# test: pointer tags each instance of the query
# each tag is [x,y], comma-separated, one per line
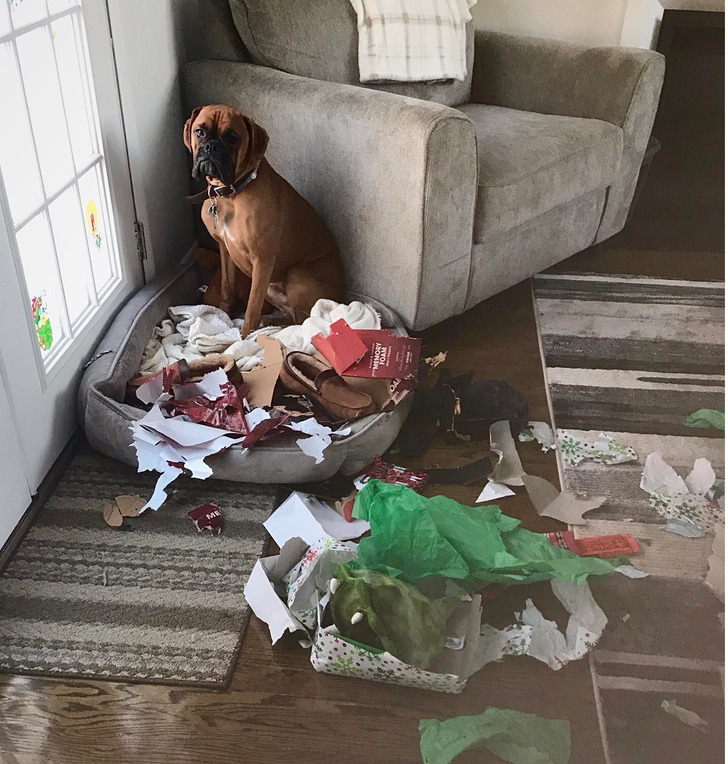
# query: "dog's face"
[225,144]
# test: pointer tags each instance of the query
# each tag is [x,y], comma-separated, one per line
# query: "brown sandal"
[305,374]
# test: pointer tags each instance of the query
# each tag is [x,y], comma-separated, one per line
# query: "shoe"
[303,373]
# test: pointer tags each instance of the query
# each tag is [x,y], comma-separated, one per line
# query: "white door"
[68,256]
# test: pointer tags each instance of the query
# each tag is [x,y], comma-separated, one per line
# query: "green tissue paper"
[413,537]
[706,418]
[512,735]
[396,616]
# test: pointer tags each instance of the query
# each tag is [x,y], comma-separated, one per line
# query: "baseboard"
[45,489]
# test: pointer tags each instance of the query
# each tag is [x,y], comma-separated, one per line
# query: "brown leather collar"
[227,192]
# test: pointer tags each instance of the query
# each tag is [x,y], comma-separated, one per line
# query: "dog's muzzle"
[213,159]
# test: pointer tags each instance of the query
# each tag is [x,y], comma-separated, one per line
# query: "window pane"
[74,87]
[26,11]
[17,162]
[67,223]
[36,256]
[55,6]
[4,18]
[97,232]
[46,108]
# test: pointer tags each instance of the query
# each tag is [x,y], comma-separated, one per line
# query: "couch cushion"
[319,39]
[529,163]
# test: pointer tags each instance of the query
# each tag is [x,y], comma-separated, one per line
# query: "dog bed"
[105,418]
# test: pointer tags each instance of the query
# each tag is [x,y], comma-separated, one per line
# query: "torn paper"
[493,491]
[716,564]
[261,381]
[123,506]
[630,571]
[670,495]
[702,477]
[207,517]
[310,519]
[541,432]
[319,437]
[684,715]
[603,449]
[564,506]
[509,469]
[683,528]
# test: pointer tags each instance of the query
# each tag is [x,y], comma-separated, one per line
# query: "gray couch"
[438,194]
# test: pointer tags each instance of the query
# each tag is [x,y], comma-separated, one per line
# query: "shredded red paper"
[207,517]
[390,473]
[226,412]
[264,428]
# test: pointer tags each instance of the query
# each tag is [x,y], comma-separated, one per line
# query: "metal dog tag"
[212,209]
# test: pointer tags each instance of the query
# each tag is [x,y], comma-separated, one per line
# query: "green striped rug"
[155,602]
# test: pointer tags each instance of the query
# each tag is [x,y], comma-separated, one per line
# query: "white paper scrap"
[268,606]
[160,495]
[630,571]
[320,437]
[540,432]
[310,519]
[493,491]
[702,477]
[659,477]
[509,469]
[684,715]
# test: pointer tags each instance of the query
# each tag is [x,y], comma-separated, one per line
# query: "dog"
[273,245]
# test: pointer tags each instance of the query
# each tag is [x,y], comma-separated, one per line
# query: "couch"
[439,195]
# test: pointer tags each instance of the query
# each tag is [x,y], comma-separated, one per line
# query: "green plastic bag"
[396,617]
[706,418]
[414,537]
[512,735]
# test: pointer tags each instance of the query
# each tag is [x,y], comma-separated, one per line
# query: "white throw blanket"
[194,331]
[412,40]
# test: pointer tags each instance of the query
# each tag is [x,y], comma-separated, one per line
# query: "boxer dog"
[273,245]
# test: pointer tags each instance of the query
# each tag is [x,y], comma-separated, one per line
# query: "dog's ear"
[187,133]
[257,144]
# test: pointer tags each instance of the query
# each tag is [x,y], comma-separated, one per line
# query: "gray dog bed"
[105,418]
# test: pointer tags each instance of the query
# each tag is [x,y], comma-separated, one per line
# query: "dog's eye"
[199,132]
[231,137]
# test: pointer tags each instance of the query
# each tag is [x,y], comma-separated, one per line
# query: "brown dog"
[273,245]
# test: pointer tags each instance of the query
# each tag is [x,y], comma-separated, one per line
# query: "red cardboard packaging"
[342,347]
[388,356]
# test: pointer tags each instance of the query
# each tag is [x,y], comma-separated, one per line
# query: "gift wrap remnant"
[603,449]
[514,736]
[706,418]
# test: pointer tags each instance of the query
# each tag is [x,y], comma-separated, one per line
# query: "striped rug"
[156,601]
[633,356]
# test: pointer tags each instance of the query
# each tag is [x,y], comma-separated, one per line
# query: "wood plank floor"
[277,709]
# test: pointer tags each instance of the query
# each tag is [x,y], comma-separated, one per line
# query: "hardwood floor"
[277,709]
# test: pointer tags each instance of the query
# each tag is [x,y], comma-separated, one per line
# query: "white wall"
[593,22]
[150,48]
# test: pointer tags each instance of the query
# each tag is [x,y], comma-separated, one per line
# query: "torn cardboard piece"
[564,506]
[123,506]
[509,469]
[388,356]
[261,380]
[342,347]
[603,449]
[310,519]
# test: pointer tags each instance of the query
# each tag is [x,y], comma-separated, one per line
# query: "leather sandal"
[303,373]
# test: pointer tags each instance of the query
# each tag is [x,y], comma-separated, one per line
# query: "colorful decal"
[92,221]
[42,322]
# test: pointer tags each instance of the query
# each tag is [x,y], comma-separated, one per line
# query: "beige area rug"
[633,356]
[156,601]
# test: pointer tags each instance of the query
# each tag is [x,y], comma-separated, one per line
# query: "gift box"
[276,580]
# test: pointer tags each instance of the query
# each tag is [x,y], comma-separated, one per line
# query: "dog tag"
[212,209]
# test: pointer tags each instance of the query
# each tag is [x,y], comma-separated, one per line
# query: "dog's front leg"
[262,271]
[228,275]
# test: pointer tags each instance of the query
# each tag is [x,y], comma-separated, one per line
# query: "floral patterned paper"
[604,449]
[695,509]
[331,654]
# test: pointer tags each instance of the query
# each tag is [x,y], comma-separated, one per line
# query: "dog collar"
[226,192]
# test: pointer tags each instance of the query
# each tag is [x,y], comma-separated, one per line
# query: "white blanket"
[412,40]
[194,331]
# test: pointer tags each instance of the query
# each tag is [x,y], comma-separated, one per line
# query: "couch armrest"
[617,85]
[394,178]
